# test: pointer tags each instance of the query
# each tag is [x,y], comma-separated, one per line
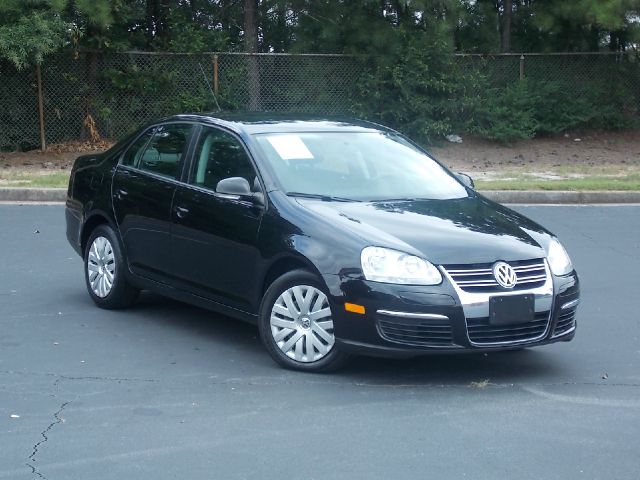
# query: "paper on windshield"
[289,147]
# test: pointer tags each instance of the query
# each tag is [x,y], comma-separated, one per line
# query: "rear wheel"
[104,270]
[296,324]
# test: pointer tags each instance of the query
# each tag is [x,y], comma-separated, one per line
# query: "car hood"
[457,231]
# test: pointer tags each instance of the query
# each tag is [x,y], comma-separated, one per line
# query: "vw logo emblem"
[505,275]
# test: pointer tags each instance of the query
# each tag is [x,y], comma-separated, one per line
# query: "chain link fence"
[121,91]
[581,76]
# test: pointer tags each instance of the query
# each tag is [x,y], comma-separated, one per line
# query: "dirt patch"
[57,157]
[557,157]
[563,156]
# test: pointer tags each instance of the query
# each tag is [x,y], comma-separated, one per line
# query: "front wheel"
[104,270]
[296,324]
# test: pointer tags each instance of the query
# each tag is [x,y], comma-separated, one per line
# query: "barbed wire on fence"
[121,91]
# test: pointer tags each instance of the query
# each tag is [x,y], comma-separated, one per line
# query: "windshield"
[354,165]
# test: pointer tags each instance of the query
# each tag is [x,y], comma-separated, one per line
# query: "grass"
[628,182]
[37,179]
[60,179]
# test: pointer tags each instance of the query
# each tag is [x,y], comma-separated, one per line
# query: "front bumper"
[406,320]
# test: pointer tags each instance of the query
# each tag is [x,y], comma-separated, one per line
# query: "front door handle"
[181,212]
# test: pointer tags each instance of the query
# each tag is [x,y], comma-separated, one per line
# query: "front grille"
[566,321]
[480,331]
[477,278]
[418,332]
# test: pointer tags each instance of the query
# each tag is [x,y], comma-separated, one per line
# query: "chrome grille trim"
[474,279]
[475,304]
[417,329]
[477,329]
[425,316]
[571,304]
[566,320]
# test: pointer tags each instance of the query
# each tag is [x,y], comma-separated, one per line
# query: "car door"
[143,187]
[214,235]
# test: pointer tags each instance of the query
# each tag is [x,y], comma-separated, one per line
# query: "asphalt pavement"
[169,391]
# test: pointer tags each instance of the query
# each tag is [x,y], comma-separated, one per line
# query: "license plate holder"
[511,309]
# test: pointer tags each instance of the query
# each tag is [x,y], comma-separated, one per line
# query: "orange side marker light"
[354,308]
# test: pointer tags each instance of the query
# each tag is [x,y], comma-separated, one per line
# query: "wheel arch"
[284,264]
[92,221]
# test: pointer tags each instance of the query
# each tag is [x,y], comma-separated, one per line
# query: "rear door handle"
[181,212]
[121,193]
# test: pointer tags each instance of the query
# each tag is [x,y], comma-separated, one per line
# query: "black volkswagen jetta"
[335,237]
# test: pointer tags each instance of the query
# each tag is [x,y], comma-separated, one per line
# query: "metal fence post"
[215,74]
[522,67]
[43,144]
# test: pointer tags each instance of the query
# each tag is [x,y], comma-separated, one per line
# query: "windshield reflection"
[371,166]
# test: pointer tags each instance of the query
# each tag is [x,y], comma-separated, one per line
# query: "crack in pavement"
[253,382]
[69,377]
[32,458]
[104,379]
[610,247]
[257,382]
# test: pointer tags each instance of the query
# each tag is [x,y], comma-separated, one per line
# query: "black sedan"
[335,237]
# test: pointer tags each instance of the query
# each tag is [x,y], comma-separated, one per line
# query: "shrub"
[504,114]
[530,108]
[414,89]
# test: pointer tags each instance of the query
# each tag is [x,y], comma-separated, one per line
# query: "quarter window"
[220,155]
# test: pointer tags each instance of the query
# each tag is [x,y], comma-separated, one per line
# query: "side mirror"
[235,188]
[466,180]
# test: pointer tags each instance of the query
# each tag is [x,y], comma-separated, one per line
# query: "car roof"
[252,123]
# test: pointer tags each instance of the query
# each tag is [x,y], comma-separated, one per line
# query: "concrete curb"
[562,197]
[502,196]
[33,194]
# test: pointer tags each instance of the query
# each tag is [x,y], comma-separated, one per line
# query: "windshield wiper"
[401,199]
[324,198]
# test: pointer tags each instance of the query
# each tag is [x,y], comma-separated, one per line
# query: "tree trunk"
[506,26]
[150,20]
[91,73]
[162,22]
[251,46]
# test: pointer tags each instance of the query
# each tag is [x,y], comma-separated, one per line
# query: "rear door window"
[132,156]
[164,153]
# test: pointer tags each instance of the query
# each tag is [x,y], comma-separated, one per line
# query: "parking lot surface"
[165,390]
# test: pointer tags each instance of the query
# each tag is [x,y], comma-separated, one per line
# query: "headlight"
[390,266]
[558,258]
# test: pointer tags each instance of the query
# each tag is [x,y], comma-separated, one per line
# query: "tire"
[303,339]
[104,270]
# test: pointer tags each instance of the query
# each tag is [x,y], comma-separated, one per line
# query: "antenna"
[215,99]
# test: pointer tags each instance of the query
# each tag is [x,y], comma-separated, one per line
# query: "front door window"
[220,155]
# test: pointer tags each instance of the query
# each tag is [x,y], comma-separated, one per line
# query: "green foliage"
[31,37]
[584,24]
[144,94]
[19,128]
[97,12]
[32,29]
[409,81]
[505,114]
[529,108]
[415,92]
[477,28]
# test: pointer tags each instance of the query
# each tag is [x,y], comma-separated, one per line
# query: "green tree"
[29,30]
[574,25]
